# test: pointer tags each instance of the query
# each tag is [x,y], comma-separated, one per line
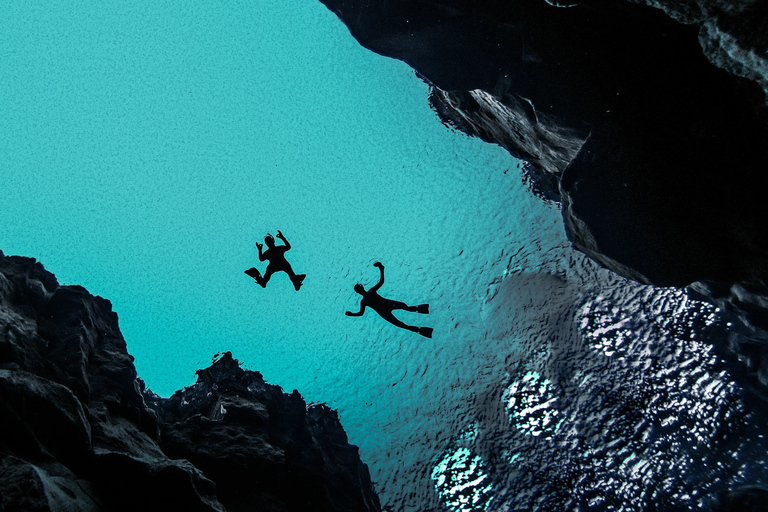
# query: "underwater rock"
[749,499]
[645,119]
[77,434]
[657,153]
[733,35]
[634,410]
[281,443]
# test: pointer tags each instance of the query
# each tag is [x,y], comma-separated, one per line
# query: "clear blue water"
[148,146]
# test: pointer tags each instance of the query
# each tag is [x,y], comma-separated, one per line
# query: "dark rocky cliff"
[657,154]
[646,119]
[78,434]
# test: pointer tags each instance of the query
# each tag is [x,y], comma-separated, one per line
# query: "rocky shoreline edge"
[79,431]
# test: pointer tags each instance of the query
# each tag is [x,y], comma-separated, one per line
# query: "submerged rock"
[77,434]
[658,153]
[646,119]
[282,445]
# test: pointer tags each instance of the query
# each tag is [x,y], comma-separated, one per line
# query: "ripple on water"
[631,411]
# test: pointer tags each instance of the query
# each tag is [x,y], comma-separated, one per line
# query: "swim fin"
[426,331]
[423,309]
[299,281]
[255,274]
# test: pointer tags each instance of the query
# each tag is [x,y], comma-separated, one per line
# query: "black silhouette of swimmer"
[275,254]
[384,307]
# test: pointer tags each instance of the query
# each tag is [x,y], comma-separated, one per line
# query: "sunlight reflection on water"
[149,147]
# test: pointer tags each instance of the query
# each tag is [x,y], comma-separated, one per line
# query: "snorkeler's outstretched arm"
[261,255]
[381,279]
[281,237]
[359,313]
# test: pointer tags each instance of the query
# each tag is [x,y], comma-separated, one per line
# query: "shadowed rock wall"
[262,446]
[657,154]
[76,433]
[646,119]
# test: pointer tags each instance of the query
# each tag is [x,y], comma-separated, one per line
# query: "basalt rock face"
[733,34]
[76,433]
[647,119]
[282,445]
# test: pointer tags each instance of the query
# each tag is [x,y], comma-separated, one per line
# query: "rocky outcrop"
[746,499]
[646,119]
[282,446]
[733,35]
[657,154]
[76,432]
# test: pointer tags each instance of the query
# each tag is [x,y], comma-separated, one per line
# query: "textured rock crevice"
[646,119]
[77,433]
[733,35]
[282,444]
[656,152]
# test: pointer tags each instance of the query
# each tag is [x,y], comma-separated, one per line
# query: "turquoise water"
[149,145]
[146,146]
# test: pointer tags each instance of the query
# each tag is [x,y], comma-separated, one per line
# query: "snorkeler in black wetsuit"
[384,307]
[275,254]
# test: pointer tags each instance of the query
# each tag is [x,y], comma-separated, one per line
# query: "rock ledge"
[80,433]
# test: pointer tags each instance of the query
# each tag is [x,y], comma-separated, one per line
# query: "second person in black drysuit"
[275,254]
[384,307]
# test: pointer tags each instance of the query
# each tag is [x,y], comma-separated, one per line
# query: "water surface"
[148,145]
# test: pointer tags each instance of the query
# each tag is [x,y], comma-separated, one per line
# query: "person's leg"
[296,279]
[393,304]
[421,308]
[389,317]
[267,274]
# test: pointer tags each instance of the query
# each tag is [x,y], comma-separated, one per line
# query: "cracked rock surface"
[647,121]
[78,434]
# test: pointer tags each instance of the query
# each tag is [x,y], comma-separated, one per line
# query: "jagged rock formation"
[657,154]
[647,119]
[733,34]
[281,444]
[76,433]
